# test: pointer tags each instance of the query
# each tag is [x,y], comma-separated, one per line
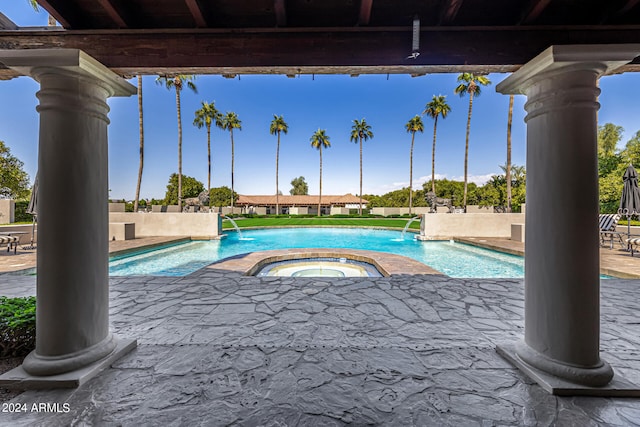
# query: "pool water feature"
[319,267]
[452,259]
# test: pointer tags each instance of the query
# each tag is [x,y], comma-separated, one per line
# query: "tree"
[230,122]
[454,190]
[206,116]
[299,187]
[178,82]
[278,125]
[469,83]
[508,166]
[14,181]
[318,140]
[191,187]
[141,129]
[608,137]
[219,196]
[437,107]
[631,152]
[360,131]
[414,125]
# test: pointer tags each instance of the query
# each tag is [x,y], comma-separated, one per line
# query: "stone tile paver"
[220,348]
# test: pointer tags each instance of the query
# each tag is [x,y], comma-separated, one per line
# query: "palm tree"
[230,122]
[437,107]
[508,168]
[360,131]
[318,140]
[140,121]
[469,83]
[205,116]
[278,125]
[414,125]
[178,82]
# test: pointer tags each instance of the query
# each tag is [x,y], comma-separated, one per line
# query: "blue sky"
[307,103]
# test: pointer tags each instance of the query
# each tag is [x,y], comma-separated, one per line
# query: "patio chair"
[608,224]
[10,241]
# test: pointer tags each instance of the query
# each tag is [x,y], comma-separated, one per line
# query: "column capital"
[28,61]
[603,58]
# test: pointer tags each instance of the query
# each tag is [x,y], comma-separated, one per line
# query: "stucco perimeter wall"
[24,228]
[7,211]
[196,225]
[400,211]
[469,225]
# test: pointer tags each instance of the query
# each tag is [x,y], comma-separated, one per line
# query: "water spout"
[234,226]
[404,231]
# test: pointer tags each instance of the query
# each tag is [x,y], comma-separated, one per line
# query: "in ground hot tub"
[319,267]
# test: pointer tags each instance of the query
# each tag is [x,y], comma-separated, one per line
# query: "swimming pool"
[452,259]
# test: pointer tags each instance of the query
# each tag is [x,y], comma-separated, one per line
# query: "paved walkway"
[219,348]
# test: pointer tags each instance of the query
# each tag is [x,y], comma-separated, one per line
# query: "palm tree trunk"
[433,157]
[277,190]
[413,135]
[320,196]
[466,152]
[508,171]
[232,160]
[179,150]
[209,161]
[360,208]
[136,201]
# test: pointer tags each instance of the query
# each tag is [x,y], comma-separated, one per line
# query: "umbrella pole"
[628,232]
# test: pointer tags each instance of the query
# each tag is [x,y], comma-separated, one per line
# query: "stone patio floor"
[219,348]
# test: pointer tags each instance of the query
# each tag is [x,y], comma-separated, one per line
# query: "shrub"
[21,214]
[17,326]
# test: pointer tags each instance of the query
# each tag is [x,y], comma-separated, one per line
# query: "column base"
[617,387]
[19,379]
[38,365]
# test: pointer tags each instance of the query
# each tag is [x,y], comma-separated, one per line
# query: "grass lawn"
[324,221]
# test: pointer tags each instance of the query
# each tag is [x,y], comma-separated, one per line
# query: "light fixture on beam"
[415,45]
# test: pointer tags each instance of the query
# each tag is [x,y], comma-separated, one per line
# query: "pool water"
[452,259]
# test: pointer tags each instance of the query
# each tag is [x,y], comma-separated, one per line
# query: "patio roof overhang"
[311,37]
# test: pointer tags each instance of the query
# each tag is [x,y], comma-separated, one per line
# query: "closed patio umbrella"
[32,210]
[630,200]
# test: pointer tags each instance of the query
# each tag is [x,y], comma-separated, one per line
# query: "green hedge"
[20,214]
[17,326]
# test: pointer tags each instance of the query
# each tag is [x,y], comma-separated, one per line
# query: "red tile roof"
[307,200]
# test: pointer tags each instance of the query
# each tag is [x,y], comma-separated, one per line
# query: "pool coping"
[388,264]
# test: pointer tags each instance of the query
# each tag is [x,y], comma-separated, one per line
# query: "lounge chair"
[633,243]
[608,224]
[10,241]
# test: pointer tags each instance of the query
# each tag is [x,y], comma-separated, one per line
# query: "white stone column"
[72,267]
[562,285]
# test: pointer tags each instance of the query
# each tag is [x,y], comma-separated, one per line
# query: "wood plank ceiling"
[323,36]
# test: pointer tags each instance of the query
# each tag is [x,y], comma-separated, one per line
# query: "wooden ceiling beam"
[361,50]
[533,11]
[280,10]
[196,12]
[364,17]
[113,13]
[630,4]
[449,11]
